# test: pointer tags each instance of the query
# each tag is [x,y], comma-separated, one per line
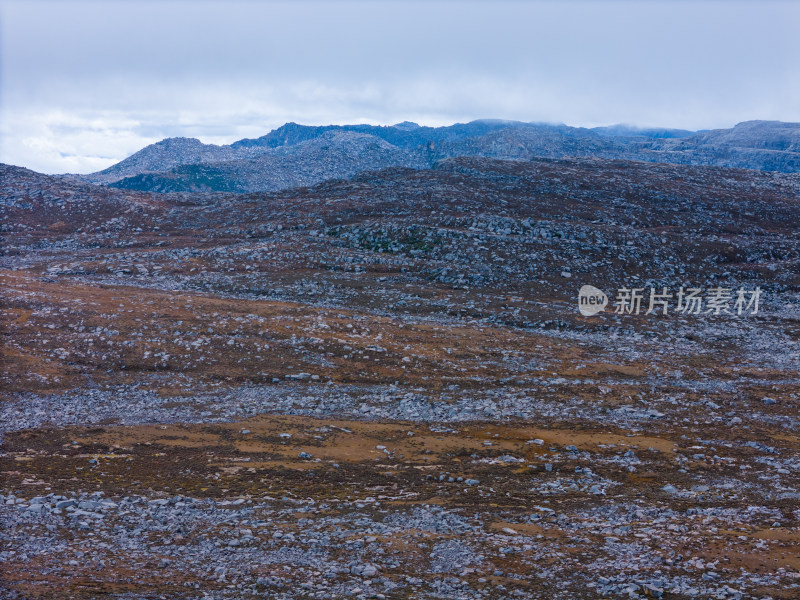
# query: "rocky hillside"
[403,135]
[165,155]
[533,141]
[764,145]
[382,386]
[295,154]
[332,155]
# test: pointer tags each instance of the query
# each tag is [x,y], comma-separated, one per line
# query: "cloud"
[84,84]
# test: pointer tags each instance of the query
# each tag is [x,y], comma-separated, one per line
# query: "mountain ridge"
[296,154]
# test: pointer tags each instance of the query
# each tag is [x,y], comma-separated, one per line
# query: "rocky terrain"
[297,155]
[767,145]
[334,154]
[382,387]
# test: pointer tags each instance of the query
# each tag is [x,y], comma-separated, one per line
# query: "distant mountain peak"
[295,154]
[406,125]
[179,141]
[625,130]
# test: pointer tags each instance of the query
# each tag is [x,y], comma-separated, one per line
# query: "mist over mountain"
[297,155]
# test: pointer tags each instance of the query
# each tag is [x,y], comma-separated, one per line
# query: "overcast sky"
[85,84]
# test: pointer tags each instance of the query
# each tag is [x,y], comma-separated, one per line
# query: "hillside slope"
[295,154]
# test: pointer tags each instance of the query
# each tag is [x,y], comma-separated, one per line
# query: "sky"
[85,84]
